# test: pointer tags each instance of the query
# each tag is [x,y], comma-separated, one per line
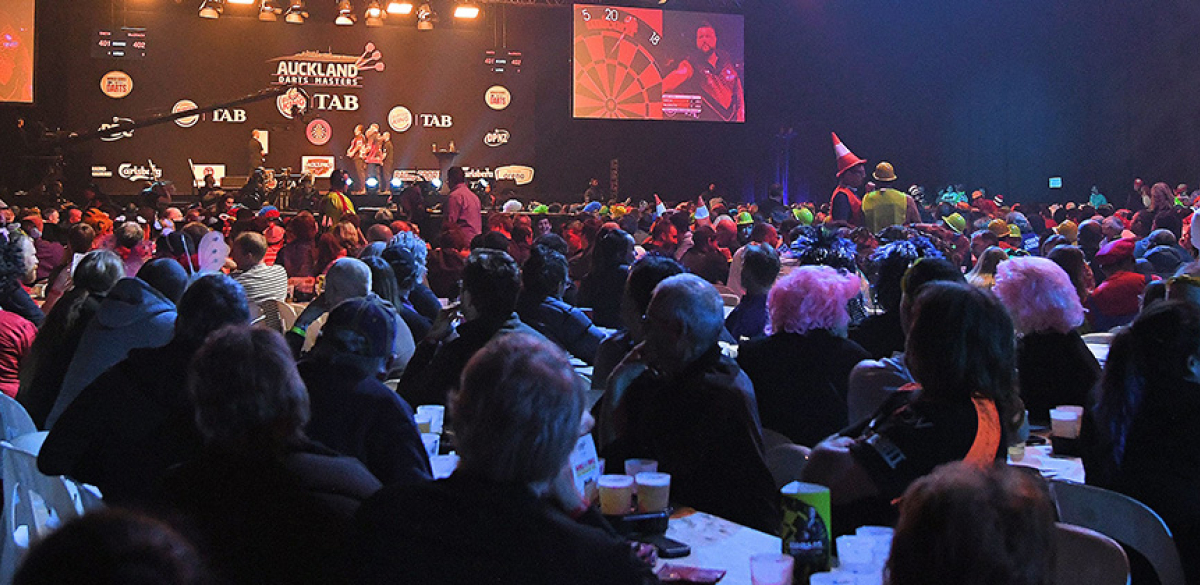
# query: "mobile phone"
[667,548]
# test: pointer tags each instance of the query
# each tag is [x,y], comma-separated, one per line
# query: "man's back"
[463,208]
[263,283]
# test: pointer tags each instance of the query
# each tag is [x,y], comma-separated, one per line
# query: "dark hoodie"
[134,315]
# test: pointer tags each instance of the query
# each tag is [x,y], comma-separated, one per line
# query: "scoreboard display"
[126,43]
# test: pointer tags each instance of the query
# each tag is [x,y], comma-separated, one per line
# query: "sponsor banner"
[400,119]
[183,106]
[414,175]
[293,99]
[498,97]
[200,170]
[116,121]
[319,69]
[521,174]
[321,167]
[497,137]
[101,172]
[230,116]
[335,103]
[134,172]
[116,84]
[437,120]
[319,132]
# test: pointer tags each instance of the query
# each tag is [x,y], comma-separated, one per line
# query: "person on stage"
[373,155]
[593,192]
[852,171]
[389,163]
[355,153]
[257,152]
[712,74]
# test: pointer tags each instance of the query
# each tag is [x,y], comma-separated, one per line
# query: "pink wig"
[1039,295]
[811,297]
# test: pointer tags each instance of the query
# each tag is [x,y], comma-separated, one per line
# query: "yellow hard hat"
[884,172]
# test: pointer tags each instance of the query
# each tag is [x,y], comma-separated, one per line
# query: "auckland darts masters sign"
[317,69]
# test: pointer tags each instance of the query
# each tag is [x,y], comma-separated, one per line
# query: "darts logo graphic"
[317,69]
[319,131]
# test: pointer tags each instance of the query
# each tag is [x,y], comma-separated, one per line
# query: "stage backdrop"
[425,88]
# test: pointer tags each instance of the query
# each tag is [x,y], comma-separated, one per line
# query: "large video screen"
[16,51]
[645,64]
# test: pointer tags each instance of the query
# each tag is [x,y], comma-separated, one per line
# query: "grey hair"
[416,246]
[517,411]
[695,304]
[347,278]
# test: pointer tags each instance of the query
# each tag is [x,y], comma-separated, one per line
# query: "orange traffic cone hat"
[845,159]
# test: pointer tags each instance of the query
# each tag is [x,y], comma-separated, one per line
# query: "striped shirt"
[263,283]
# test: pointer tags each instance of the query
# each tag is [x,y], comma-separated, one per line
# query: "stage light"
[345,15]
[268,11]
[466,11]
[212,8]
[372,182]
[400,8]
[241,1]
[296,13]
[437,183]
[375,14]
[426,17]
[397,183]
[483,183]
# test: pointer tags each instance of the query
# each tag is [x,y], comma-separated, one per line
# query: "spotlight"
[372,182]
[400,7]
[483,183]
[437,183]
[426,17]
[212,8]
[374,14]
[296,13]
[345,15]
[466,11]
[240,1]
[397,183]
[268,11]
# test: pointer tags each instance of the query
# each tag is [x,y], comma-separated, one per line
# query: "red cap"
[1114,252]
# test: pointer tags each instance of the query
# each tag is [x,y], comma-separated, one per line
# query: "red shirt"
[1119,294]
[16,337]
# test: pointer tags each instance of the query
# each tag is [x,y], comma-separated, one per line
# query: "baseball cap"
[363,326]
[1114,252]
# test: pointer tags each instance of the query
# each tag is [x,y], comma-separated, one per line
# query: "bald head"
[347,278]
[684,320]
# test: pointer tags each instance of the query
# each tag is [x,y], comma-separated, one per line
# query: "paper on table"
[585,467]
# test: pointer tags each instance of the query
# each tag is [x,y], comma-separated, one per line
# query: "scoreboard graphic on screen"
[644,64]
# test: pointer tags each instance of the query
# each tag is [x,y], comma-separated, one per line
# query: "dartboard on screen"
[643,64]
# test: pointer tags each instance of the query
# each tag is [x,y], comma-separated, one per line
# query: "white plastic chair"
[15,419]
[34,504]
[1086,557]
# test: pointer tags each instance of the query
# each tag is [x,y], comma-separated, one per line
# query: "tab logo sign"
[183,106]
[497,137]
[498,97]
[232,116]
[336,103]
[116,84]
[138,172]
[521,174]
[437,120]
[119,135]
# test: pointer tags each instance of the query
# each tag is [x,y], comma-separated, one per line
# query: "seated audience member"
[110,547]
[704,259]
[490,283]
[43,368]
[421,298]
[540,305]
[1073,262]
[379,232]
[383,287]
[602,287]
[970,525]
[353,412]
[446,263]
[690,408]
[961,353]
[138,312]
[1054,365]
[882,335]
[1143,414]
[407,272]
[348,278]
[760,268]
[330,248]
[1116,301]
[522,240]
[16,337]
[268,505]
[134,421]
[129,242]
[873,381]
[299,252]
[510,513]
[983,275]
[761,233]
[801,369]
[80,238]
[664,238]
[260,281]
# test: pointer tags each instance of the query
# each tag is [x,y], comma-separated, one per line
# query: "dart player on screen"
[710,73]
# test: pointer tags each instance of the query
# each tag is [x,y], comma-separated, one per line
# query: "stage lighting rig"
[345,15]
[426,17]
[296,13]
[212,9]
[269,11]
[375,14]
[396,7]
[466,11]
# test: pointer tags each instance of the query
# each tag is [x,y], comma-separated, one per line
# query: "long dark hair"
[1145,363]
[961,344]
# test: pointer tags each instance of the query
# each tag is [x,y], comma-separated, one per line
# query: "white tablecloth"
[1039,457]
[719,544]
